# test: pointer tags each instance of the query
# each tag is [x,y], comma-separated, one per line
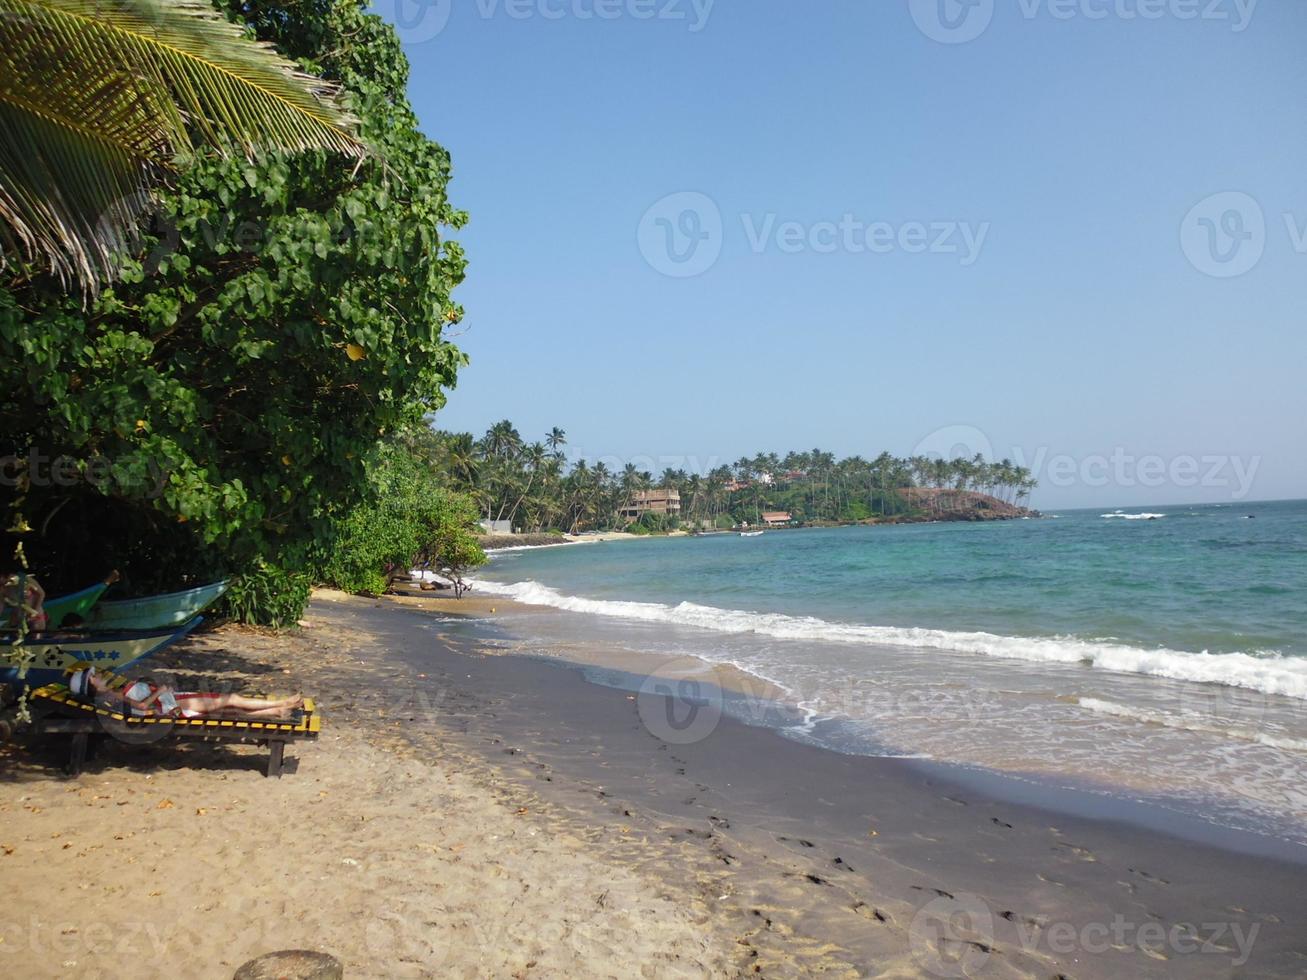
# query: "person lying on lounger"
[144,698]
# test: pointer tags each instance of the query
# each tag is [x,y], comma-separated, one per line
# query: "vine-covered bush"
[211,413]
[408,520]
[267,595]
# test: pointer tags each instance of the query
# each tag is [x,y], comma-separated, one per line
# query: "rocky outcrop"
[935,504]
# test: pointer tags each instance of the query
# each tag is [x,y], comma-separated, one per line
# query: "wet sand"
[506,817]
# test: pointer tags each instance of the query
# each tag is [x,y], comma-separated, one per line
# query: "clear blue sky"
[1073,140]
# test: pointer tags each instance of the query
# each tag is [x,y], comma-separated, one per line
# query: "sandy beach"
[472,814]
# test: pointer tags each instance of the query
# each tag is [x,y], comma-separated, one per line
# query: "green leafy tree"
[217,403]
[407,520]
[99,101]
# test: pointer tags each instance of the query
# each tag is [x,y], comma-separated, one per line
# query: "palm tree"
[502,439]
[555,439]
[460,459]
[534,456]
[98,101]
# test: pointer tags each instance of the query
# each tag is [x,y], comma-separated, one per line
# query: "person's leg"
[205,704]
[242,703]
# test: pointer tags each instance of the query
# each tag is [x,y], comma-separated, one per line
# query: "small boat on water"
[750,534]
[145,613]
[53,653]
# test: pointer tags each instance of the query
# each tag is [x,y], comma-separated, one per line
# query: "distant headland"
[531,487]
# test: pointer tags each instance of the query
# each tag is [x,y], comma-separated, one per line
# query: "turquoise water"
[1119,650]
[1200,578]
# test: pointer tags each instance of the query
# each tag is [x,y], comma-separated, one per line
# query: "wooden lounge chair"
[57,711]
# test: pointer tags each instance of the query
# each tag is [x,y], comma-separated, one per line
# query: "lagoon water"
[1158,653]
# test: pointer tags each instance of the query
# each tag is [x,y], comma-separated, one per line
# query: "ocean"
[1157,653]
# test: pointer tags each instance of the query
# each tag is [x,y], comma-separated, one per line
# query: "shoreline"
[759,702]
[453,788]
[945,824]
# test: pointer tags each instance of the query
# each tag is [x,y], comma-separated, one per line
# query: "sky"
[1072,233]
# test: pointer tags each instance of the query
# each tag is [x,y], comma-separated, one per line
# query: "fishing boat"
[73,604]
[750,534]
[152,612]
[52,654]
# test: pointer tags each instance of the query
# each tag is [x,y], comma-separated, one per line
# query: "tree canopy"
[532,485]
[97,100]
[214,408]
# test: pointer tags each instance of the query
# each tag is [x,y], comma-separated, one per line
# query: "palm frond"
[97,97]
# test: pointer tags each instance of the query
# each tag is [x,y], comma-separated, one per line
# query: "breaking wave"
[1267,672]
[1191,721]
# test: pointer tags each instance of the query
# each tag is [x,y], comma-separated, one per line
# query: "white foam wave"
[1192,722]
[490,553]
[1269,673]
[1135,517]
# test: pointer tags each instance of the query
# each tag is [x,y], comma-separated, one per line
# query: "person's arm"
[141,704]
[36,593]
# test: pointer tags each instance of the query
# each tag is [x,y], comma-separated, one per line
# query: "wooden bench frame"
[62,714]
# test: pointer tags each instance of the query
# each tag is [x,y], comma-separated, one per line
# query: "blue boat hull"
[113,651]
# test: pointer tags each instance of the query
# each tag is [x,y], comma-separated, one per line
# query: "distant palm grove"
[531,485]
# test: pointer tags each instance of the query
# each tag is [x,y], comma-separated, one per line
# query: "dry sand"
[187,861]
[467,815]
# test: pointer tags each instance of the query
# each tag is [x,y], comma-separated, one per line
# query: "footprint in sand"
[866,911]
[938,891]
[1147,877]
[1034,922]
[1084,854]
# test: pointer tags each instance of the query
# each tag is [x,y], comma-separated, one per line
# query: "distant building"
[776,518]
[497,527]
[732,486]
[652,502]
